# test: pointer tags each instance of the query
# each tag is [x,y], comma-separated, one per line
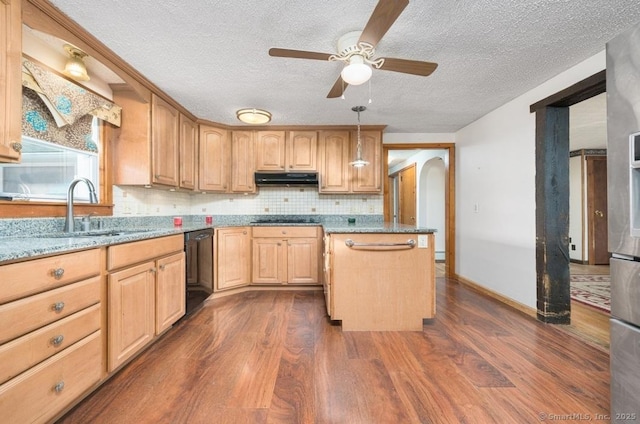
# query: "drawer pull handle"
[58,273]
[59,387]
[354,244]
[58,306]
[57,340]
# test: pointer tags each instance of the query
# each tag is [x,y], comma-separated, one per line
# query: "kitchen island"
[379,277]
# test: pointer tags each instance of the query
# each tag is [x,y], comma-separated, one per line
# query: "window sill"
[17,209]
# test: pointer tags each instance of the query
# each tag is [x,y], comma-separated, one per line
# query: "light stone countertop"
[30,245]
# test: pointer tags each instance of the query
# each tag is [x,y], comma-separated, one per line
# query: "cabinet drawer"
[38,275]
[38,310]
[139,251]
[20,354]
[42,392]
[285,232]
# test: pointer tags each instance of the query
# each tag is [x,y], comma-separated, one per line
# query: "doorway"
[552,194]
[392,192]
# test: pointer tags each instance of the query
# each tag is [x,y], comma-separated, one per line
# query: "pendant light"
[359,162]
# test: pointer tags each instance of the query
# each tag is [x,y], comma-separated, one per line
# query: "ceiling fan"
[357,49]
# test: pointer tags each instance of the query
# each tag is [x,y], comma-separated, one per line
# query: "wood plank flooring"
[589,323]
[273,357]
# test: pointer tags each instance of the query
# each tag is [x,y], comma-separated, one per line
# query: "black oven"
[198,247]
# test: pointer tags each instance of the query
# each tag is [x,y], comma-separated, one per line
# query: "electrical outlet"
[423,242]
[476,208]
[573,247]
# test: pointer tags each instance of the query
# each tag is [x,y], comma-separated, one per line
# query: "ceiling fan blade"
[383,16]
[414,67]
[298,54]
[337,89]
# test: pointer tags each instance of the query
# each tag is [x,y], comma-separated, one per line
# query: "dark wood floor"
[273,357]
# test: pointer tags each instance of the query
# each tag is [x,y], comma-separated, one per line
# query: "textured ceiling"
[211,56]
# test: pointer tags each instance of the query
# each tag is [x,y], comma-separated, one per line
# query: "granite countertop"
[28,245]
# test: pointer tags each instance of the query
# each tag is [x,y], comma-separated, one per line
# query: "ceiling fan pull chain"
[370,92]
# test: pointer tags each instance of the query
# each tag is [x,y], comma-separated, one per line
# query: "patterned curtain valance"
[67,101]
[38,123]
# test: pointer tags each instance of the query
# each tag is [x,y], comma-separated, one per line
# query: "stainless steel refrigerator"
[623,167]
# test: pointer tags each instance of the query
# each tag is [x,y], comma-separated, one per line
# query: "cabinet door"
[243,162]
[302,151]
[269,261]
[170,291]
[367,179]
[334,162]
[214,159]
[131,312]
[164,143]
[232,257]
[11,85]
[302,260]
[270,151]
[188,152]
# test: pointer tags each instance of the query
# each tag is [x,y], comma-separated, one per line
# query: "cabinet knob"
[279,244]
[154,270]
[57,273]
[162,267]
[244,232]
[59,387]
[58,306]
[284,232]
[57,340]
[16,146]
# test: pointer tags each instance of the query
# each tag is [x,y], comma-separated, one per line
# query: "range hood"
[286,179]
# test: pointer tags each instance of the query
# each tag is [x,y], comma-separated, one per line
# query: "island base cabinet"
[41,393]
[381,283]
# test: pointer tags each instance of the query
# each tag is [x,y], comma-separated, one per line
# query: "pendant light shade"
[359,162]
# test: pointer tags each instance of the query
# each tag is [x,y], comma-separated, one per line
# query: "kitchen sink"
[97,233]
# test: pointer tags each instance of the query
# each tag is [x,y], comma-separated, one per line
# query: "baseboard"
[497,296]
[578,261]
[229,292]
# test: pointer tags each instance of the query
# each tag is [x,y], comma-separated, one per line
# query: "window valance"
[67,102]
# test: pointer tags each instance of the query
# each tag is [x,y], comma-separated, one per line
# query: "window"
[47,169]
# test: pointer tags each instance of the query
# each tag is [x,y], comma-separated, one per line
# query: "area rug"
[593,290]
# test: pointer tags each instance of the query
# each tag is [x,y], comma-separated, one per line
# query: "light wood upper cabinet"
[302,151]
[334,162]
[243,162]
[214,159]
[10,80]
[231,260]
[188,153]
[165,142]
[367,179]
[270,151]
[146,146]
[286,151]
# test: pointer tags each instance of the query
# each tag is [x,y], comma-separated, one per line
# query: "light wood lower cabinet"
[145,298]
[231,260]
[51,339]
[285,255]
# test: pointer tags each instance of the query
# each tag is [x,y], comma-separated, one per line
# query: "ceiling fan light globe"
[356,73]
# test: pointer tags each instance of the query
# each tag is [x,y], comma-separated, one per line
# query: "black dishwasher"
[198,248]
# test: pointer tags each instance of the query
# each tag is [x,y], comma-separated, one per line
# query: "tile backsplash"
[138,201]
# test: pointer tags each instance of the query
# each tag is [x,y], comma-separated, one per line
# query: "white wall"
[495,242]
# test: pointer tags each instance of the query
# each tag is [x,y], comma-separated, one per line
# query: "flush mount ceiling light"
[359,162]
[253,116]
[75,67]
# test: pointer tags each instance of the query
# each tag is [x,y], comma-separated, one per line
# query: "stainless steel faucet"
[69,226]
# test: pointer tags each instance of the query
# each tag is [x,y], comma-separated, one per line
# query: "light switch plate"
[422,241]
